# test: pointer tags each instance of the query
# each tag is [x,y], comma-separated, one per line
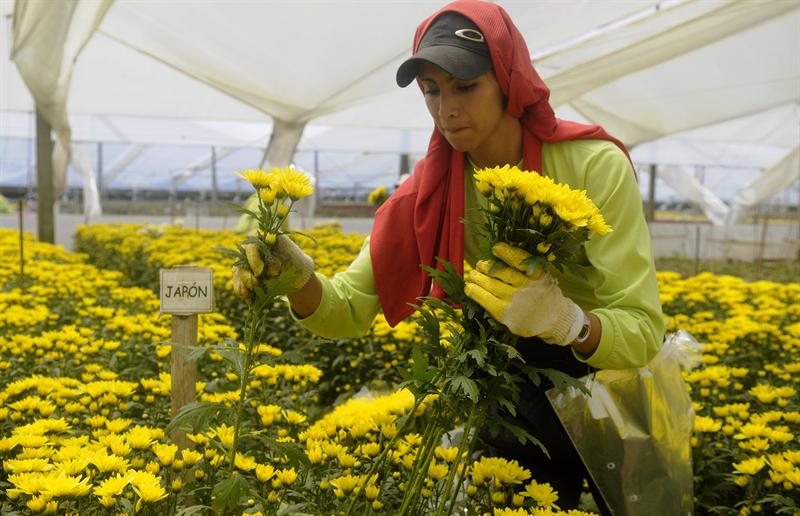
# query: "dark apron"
[564,469]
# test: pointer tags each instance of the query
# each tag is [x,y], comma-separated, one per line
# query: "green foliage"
[787,271]
[5,206]
[228,492]
[198,414]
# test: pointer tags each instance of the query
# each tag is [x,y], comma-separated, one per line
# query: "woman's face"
[466,112]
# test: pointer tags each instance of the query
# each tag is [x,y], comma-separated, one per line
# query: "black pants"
[563,470]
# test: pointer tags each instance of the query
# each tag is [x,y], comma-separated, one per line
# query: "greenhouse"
[382,257]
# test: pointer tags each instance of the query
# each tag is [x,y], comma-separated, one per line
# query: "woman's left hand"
[529,305]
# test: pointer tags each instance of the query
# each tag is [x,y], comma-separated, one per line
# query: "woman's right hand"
[286,255]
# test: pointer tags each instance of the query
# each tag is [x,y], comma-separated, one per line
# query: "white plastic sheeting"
[764,142]
[770,182]
[682,180]
[664,71]
[47,38]
[82,160]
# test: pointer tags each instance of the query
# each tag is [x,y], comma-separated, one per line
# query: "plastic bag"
[634,431]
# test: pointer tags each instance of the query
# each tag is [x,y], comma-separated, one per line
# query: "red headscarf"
[422,219]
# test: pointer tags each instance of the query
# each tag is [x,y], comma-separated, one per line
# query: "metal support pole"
[697,249]
[29,161]
[405,164]
[762,241]
[797,206]
[44,181]
[214,194]
[100,185]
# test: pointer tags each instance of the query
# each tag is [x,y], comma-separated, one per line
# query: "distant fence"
[694,240]
[741,242]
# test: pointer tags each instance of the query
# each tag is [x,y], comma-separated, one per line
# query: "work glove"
[529,305]
[285,255]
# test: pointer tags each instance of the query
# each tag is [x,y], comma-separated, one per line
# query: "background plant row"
[84,408]
[746,455]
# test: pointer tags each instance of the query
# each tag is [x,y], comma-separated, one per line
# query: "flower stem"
[468,426]
[420,471]
[379,460]
[472,441]
[250,343]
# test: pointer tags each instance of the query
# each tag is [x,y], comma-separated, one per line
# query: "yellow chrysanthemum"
[291,182]
[267,194]
[750,466]
[287,476]
[347,483]
[264,472]
[543,494]
[224,433]
[437,471]
[62,485]
[147,486]
[256,177]
[111,487]
[244,462]
[499,470]
[706,424]
[529,199]
[510,512]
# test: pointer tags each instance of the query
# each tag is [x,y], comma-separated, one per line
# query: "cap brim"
[458,62]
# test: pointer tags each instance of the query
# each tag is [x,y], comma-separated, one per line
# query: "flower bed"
[752,333]
[85,408]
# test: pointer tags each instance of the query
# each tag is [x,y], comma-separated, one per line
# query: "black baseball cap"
[453,43]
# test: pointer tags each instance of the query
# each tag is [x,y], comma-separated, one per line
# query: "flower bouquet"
[468,360]
[549,220]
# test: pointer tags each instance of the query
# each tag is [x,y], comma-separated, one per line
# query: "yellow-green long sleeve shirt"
[619,286]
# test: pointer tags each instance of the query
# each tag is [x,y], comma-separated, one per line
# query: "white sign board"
[187,290]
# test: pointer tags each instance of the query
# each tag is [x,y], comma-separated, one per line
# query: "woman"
[490,108]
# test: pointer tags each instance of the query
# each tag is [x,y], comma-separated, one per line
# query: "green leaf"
[235,357]
[279,286]
[420,369]
[295,509]
[228,492]
[201,413]
[562,380]
[429,324]
[260,244]
[124,504]
[193,509]
[448,278]
[531,232]
[299,233]
[522,435]
[507,404]
[242,209]
[510,351]
[230,252]
[479,356]
[234,205]
[467,386]
[196,353]
[294,453]
[534,263]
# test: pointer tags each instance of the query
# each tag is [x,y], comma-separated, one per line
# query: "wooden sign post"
[185,292]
